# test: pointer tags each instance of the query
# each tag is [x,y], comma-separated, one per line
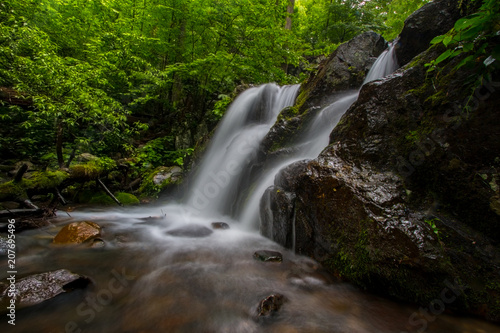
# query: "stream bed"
[146,278]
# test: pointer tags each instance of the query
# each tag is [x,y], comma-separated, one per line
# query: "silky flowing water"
[144,279]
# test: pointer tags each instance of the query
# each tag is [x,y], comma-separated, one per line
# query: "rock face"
[433,19]
[401,202]
[77,233]
[344,69]
[38,288]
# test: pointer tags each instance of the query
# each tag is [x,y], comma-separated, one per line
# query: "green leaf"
[437,39]
[445,55]
[468,60]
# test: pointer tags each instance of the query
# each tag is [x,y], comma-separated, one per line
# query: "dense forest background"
[144,80]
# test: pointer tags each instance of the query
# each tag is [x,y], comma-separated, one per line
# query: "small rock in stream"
[220,225]
[38,288]
[77,233]
[191,230]
[268,256]
[269,305]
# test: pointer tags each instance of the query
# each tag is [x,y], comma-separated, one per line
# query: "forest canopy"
[107,76]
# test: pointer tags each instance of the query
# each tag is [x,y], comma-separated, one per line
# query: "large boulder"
[401,203]
[344,69]
[433,19]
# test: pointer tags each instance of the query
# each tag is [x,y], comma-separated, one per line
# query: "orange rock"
[77,233]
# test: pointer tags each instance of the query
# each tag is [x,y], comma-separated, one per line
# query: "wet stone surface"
[77,233]
[220,225]
[270,305]
[268,256]
[191,230]
[38,288]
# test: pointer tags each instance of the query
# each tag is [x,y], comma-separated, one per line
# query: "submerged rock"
[268,256]
[191,230]
[270,305]
[220,225]
[77,233]
[38,288]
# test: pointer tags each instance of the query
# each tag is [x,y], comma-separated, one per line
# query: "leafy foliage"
[472,40]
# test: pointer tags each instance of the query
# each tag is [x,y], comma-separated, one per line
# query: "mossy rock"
[13,191]
[127,198]
[101,198]
[159,179]
[92,169]
[45,180]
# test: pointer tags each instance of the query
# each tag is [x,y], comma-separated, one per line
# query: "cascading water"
[315,138]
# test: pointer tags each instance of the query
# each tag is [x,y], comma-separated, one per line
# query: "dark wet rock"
[77,233]
[401,202]
[276,205]
[191,230]
[97,243]
[38,288]
[344,69]
[220,225]
[270,305]
[432,19]
[268,256]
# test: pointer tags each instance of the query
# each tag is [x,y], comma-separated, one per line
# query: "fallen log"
[28,212]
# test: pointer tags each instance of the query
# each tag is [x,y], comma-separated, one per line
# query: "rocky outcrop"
[432,19]
[401,202]
[344,69]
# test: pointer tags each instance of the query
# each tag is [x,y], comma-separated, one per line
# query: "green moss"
[354,263]
[46,180]
[101,198]
[127,198]
[12,191]
[93,169]
[148,188]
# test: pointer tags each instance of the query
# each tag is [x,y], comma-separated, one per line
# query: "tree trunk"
[289,10]
[59,144]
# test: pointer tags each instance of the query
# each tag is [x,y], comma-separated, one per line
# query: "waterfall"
[225,172]
[385,64]
[230,156]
